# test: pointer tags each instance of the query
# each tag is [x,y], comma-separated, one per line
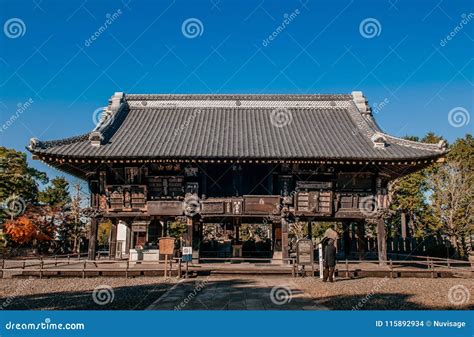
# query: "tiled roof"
[238,126]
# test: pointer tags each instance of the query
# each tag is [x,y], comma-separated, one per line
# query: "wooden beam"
[284,239]
[403,221]
[113,239]
[346,238]
[381,242]
[189,234]
[361,239]
[92,239]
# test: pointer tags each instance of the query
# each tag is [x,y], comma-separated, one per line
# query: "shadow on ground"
[201,294]
[126,298]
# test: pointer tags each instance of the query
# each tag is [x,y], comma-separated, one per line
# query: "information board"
[304,252]
[187,254]
[166,246]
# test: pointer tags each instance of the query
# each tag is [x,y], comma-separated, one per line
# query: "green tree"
[57,194]
[409,198]
[17,181]
[177,229]
[56,202]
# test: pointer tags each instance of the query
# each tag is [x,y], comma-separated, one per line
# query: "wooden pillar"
[381,242]
[310,230]
[162,224]
[237,221]
[346,238]
[275,246]
[354,242]
[113,239]
[200,239]
[92,238]
[188,239]
[361,246]
[128,238]
[284,239]
[403,221]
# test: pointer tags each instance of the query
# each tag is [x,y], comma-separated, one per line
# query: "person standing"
[329,257]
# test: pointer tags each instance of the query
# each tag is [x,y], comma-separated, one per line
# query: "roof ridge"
[373,130]
[134,97]
[35,143]
[440,146]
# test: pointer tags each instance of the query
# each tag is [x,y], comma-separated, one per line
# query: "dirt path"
[236,293]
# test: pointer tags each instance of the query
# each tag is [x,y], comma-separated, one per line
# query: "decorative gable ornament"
[96,138]
[34,143]
[379,140]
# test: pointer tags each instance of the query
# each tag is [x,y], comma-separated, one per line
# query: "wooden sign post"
[304,253]
[166,249]
[321,266]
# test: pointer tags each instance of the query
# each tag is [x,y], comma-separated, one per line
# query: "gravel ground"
[140,292]
[78,293]
[392,294]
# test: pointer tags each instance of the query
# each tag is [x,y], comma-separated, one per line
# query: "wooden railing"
[427,266]
[82,267]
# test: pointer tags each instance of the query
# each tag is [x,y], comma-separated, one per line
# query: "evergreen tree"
[57,194]
[18,183]
[56,201]
[409,199]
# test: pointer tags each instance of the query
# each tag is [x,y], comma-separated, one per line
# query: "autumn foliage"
[28,228]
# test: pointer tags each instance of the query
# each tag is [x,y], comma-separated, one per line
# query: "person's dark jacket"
[329,255]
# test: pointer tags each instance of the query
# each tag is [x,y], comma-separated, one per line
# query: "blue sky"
[404,62]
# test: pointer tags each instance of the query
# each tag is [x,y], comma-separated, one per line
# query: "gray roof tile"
[239,126]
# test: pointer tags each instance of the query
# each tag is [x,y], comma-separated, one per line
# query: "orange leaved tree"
[30,228]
